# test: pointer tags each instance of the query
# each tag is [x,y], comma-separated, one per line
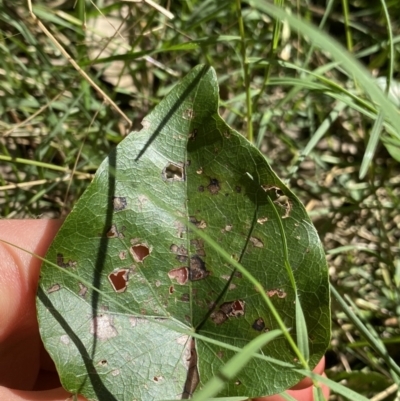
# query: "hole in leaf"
[234,308]
[258,324]
[112,232]
[140,252]
[171,289]
[180,274]
[173,172]
[119,279]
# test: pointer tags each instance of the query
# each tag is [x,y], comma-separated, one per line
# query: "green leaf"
[134,304]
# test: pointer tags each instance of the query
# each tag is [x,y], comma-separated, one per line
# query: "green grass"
[301,85]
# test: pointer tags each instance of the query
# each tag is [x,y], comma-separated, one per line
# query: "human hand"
[26,371]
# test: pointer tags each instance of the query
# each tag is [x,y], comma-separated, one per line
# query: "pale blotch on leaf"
[102,327]
[102,363]
[231,287]
[119,203]
[256,242]
[188,114]
[82,290]
[199,170]
[262,220]
[140,252]
[173,172]
[65,339]
[115,372]
[119,279]
[180,274]
[122,255]
[278,292]
[53,288]
[158,379]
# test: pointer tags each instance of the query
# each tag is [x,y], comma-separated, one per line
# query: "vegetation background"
[297,101]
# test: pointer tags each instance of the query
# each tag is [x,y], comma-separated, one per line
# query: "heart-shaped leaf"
[128,277]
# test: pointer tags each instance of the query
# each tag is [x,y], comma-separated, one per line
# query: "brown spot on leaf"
[158,378]
[119,279]
[256,242]
[140,252]
[180,274]
[173,172]
[200,188]
[238,189]
[171,289]
[62,263]
[197,269]
[53,288]
[185,298]
[258,324]
[193,134]
[119,203]
[213,186]
[218,317]
[199,224]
